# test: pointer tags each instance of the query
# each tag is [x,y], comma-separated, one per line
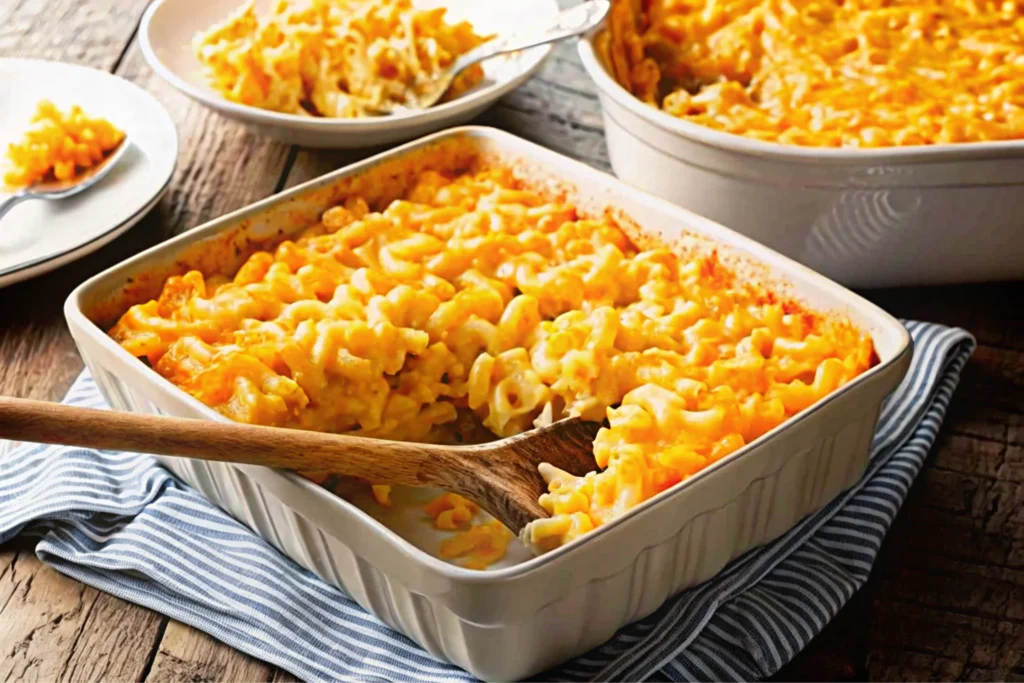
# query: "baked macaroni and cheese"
[58,145]
[829,73]
[334,58]
[476,291]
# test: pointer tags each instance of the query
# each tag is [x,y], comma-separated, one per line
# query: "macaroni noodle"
[829,73]
[451,511]
[475,292]
[334,58]
[481,545]
[59,144]
[478,544]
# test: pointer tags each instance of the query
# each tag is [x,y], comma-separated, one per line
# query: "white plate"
[38,236]
[166,36]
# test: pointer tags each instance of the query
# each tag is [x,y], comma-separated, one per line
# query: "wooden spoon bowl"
[500,476]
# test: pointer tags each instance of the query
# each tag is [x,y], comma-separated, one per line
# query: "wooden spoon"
[500,476]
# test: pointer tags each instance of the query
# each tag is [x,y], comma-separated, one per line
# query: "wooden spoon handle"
[376,460]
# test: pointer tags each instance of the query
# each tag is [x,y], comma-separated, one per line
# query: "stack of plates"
[38,236]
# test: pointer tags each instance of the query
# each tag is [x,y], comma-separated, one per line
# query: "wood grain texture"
[117,643]
[186,654]
[42,618]
[92,33]
[949,596]
[53,628]
[552,115]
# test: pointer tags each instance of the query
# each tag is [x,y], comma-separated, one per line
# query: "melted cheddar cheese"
[475,292]
[334,58]
[58,145]
[829,73]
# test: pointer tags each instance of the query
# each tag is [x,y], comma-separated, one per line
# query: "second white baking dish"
[519,620]
[863,217]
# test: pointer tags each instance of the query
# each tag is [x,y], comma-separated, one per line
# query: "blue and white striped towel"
[121,523]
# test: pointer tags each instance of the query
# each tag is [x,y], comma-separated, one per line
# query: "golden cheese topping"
[477,293]
[58,145]
[334,58]
[829,73]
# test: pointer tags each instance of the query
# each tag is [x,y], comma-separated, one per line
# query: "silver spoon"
[570,22]
[62,189]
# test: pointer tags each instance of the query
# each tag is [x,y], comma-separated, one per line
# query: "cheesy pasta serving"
[58,145]
[334,58]
[476,292]
[830,73]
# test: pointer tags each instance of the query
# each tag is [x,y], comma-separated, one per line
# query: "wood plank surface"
[946,597]
[91,33]
[949,596]
[117,642]
[188,655]
[43,615]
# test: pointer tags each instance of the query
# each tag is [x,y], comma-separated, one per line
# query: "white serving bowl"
[866,218]
[168,27]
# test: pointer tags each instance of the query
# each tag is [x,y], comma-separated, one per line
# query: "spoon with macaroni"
[501,476]
[570,22]
[52,188]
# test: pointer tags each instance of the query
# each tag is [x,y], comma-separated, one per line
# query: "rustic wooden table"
[945,600]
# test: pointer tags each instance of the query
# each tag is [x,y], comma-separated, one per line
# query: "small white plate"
[166,36]
[38,236]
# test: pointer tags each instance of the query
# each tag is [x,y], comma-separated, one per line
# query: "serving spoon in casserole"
[500,476]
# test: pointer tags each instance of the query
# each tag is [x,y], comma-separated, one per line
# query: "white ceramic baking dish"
[528,614]
[866,218]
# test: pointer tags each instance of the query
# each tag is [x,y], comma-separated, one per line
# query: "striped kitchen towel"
[121,523]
